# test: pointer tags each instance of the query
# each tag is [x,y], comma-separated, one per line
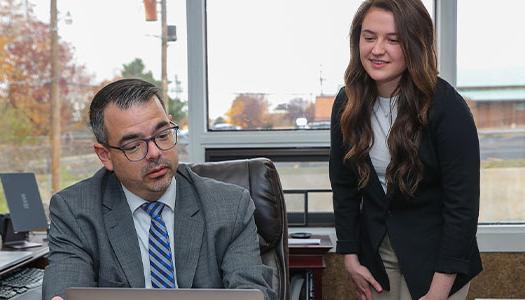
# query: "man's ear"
[104,156]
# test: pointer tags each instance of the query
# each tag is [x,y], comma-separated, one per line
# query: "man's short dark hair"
[123,93]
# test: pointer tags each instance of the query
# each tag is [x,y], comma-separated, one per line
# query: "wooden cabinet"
[310,258]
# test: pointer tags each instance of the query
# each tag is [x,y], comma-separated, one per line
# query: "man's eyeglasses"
[137,150]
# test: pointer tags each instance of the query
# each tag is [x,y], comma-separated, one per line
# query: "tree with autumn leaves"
[25,76]
[250,111]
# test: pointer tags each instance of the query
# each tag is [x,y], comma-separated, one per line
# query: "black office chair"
[260,178]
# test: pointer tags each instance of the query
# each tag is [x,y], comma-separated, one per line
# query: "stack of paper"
[304,241]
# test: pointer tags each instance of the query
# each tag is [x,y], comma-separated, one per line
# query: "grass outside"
[500,163]
[502,195]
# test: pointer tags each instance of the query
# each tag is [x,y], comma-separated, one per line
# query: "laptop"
[11,258]
[23,200]
[161,294]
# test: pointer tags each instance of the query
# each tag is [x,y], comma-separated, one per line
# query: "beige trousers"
[398,285]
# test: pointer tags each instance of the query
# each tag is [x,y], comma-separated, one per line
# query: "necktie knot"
[154,209]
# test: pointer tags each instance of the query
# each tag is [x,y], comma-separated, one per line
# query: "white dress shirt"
[142,222]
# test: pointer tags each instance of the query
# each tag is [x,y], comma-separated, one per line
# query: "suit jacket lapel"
[374,187]
[188,231]
[121,232]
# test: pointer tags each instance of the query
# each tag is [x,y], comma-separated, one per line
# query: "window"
[287,62]
[486,45]
[276,65]
[99,41]
[492,79]
[272,67]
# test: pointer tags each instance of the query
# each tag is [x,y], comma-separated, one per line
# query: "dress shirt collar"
[168,198]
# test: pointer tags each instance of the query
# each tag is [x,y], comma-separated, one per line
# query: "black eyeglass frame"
[147,140]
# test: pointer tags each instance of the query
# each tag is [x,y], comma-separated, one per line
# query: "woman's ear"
[104,156]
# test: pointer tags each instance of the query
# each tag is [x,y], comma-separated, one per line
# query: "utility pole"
[55,101]
[321,79]
[168,34]
[164,54]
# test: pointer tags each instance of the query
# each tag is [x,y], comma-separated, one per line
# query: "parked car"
[320,125]
[225,126]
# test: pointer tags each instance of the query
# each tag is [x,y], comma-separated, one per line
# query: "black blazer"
[435,231]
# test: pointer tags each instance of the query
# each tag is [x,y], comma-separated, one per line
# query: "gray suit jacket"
[93,242]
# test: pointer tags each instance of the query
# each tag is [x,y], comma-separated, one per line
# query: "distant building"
[323,108]
[492,107]
[496,107]
[322,112]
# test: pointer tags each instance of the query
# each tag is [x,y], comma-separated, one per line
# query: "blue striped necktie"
[160,257]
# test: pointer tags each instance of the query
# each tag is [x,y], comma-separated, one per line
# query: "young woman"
[404,162]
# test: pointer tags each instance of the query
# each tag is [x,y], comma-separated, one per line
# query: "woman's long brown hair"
[416,87]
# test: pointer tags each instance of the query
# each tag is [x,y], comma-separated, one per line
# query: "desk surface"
[323,247]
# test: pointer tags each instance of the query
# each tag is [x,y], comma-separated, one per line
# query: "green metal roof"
[494,94]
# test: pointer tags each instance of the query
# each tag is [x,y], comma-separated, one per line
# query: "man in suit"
[144,220]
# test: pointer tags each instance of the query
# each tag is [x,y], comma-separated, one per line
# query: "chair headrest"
[260,178]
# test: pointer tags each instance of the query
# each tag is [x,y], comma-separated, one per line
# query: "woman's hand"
[440,287]
[361,277]
[431,296]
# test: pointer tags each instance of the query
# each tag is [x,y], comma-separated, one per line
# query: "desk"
[311,258]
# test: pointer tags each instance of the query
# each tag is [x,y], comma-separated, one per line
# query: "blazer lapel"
[374,187]
[188,231]
[121,232]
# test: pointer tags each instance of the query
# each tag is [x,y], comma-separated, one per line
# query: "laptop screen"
[161,294]
[24,202]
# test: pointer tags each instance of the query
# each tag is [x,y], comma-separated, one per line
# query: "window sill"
[491,238]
